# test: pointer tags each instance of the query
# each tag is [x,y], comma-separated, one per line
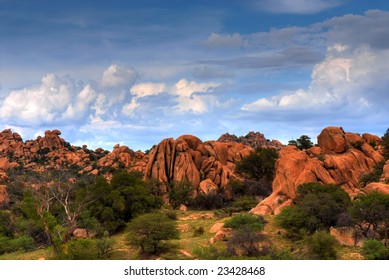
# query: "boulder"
[208,187]
[216,227]
[80,233]
[332,140]
[379,187]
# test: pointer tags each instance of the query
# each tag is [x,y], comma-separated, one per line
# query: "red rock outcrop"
[252,139]
[188,158]
[340,158]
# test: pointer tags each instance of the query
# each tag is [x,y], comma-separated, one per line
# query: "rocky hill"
[340,158]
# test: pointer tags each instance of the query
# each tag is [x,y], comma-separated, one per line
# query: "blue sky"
[136,72]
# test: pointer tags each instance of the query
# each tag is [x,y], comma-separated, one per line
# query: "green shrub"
[321,246]
[207,202]
[22,243]
[317,207]
[244,203]
[245,221]
[210,253]
[82,249]
[5,245]
[375,250]
[104,246]
[198,231]
[373,176]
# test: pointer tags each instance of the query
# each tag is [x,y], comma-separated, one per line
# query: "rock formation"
[340,158]
[252,139]
[207,165]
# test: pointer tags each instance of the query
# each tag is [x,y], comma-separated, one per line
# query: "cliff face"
[340,158]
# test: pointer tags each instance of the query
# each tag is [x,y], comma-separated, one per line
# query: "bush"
[244,203]
[198,231]
[82,249]
[5,245]
[321,246]
[374,176]
[22,243]
[104,246]
[207,202]
[244,242]
[375,250]
[150,232]
[245,221]
[317,207]
[210,253]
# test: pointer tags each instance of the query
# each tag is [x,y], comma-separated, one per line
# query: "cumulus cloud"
[118,76]
[189,96]
[297,6]
[44,103]
[347,81]
[192,96]
[147,89]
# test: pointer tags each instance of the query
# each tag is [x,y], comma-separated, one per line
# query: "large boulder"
[332,140]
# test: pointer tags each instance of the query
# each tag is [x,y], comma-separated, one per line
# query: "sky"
[137,72]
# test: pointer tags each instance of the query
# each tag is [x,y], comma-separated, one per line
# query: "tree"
[302,143]
[126,197]
[258,168]
[370,212]
[150,232]
[317,207]
[180,193]
[259,164]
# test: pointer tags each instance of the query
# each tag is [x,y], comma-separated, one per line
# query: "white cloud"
[39,104]
[193,96]
[343,81]
[81,104]
[128,109]
[147,89]
[117,76]
[184,88]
